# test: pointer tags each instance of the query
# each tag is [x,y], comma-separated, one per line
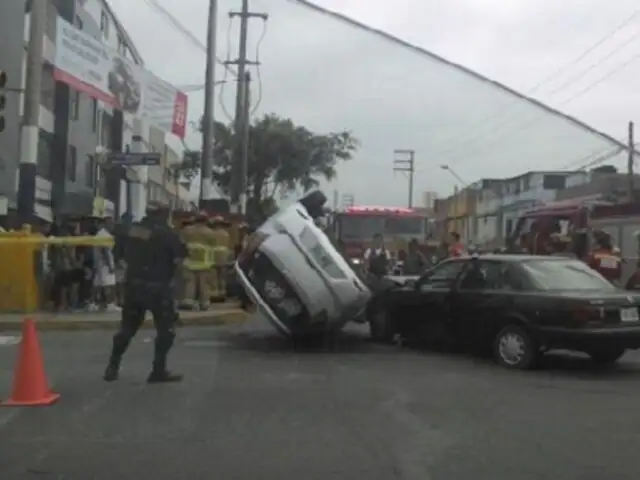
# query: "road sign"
[145,159]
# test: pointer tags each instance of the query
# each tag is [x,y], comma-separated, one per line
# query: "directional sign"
[134,159]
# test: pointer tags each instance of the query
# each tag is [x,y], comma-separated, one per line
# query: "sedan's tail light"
[585,314]
[254,242]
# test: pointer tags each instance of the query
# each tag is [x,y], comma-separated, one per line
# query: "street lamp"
[454,174]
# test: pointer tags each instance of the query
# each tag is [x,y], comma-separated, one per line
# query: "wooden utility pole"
[239,166]
[208,123]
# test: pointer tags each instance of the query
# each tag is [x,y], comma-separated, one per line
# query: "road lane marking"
[9,340]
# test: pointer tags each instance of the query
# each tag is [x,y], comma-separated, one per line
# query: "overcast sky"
[329,75]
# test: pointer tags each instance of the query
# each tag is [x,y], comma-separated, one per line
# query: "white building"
[74,126]
[429,199]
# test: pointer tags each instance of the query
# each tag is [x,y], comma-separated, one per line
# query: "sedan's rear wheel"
[515,348]
[606,356]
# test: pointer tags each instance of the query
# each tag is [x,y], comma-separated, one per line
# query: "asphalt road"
[253,408]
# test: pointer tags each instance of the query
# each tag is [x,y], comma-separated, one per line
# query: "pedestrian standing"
[152,252]
[105,267]
[415,262]
[377,258]
[456,247]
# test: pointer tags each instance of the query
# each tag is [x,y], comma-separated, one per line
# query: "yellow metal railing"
[19,256]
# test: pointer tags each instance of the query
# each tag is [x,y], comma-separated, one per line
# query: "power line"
[484,123]
[497,139]
[177,25]
[593,158]
[223,107]
[594,65]
[258,73]
[586,52]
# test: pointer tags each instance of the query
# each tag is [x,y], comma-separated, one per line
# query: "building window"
[105,140]
[104,24]
[554,182]
[90,173]
[72,163]
[77,21]
[94,111]
[48,88]
[75,105]
[44,165]
[509,227]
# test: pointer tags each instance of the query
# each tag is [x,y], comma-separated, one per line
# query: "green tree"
[283,156]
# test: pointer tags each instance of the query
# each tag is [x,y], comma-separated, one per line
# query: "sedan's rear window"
[565,275]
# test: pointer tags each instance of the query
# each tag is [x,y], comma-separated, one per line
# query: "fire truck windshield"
[364,227]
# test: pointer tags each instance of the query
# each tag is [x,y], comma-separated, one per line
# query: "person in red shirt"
[604,258]
[456,248]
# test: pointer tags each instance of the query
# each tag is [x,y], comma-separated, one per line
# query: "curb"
[227,317]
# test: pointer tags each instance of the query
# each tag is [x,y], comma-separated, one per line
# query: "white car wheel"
[515,348]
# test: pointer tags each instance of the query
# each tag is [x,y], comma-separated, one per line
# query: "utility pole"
[239,166]
[208,124]
[406,164]
[244,143]
[631,158]
[30,132]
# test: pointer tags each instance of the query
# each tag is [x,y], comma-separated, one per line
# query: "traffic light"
[3,98]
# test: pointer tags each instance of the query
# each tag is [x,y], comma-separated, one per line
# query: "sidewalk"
[220,314]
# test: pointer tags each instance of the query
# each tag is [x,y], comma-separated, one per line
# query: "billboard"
[88,65]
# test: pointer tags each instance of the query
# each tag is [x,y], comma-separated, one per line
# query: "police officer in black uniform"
[152,252]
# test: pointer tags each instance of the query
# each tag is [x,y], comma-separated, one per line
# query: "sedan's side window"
[490,276]
[443,274]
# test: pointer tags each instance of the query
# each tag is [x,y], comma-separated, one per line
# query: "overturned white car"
[296,277]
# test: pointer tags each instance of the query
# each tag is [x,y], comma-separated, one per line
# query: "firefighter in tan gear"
[200,241]
[222,260]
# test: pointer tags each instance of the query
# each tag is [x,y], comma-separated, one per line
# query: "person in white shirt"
[105,267]
[377,258]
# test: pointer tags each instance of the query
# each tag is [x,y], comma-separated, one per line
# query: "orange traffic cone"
[30,386]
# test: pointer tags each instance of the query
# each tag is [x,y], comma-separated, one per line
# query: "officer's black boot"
[120,344]
[159,373]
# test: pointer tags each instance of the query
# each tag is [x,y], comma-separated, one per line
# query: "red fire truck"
[355,227]
[621,220]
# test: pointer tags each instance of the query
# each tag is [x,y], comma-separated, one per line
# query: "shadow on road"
[582,367]
[346,342]
[558,364]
